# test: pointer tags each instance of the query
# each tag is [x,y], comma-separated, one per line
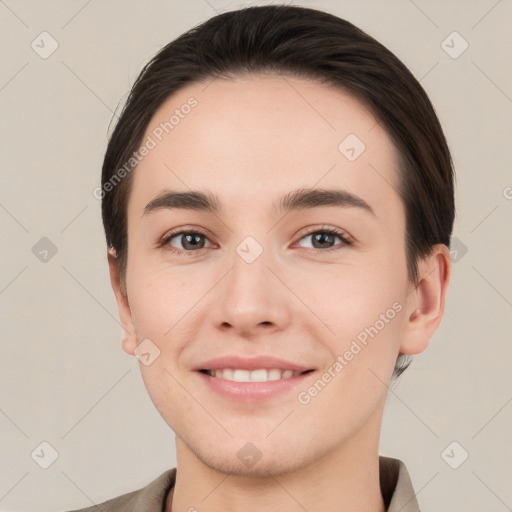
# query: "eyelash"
[345,238]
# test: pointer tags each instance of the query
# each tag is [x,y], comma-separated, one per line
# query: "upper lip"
[252,363]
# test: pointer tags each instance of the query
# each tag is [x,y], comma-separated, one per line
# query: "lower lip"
[252,391]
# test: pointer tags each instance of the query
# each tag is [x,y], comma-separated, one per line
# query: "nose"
[253,297]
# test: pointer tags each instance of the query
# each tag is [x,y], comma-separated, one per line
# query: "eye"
[191,240]
[322,238]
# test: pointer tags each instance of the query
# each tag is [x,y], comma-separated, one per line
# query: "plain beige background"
[64,377]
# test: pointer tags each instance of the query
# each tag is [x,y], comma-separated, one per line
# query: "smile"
[254,386]
[258,375]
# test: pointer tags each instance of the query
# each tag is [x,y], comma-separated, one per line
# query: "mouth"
[253,379]
[256,385]
[256,375]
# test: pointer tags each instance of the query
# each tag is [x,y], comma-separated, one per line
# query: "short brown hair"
[310,44]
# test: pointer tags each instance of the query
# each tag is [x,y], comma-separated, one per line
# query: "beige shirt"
[395,484]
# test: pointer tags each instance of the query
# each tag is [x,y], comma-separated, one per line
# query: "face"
[321,285]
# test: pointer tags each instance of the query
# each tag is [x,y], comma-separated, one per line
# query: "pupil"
[192,239]
[323,237]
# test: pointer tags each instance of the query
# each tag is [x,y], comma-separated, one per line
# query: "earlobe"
[129,345]
[426,304]
[129,342]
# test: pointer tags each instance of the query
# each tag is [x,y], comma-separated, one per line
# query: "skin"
[251,140]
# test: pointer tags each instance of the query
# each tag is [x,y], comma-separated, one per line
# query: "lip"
[251,392]
[252,363]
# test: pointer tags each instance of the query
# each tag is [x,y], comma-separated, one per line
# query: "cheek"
[166,308]
[364,310]
[351,298]
[161,297]
[367,319]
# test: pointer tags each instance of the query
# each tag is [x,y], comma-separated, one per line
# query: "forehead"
[257,137]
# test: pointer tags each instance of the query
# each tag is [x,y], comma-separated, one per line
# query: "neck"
[345,479]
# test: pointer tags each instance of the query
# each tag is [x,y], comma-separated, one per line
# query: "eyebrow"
[301,199]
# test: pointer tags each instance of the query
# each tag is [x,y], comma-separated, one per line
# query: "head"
[247,108]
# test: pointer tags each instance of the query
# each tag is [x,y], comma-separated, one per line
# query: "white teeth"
[229,374]
[274,374]
[239,376]
[260,375]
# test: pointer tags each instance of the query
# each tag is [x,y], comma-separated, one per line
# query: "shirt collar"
[396,486]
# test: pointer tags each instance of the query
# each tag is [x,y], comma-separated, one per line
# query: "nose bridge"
[250,266]
[249,277]
[252,295]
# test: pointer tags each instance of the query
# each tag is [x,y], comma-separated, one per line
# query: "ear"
[425,304]
[130,341]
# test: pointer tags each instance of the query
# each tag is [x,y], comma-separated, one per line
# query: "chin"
[263,468]
[261,458]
